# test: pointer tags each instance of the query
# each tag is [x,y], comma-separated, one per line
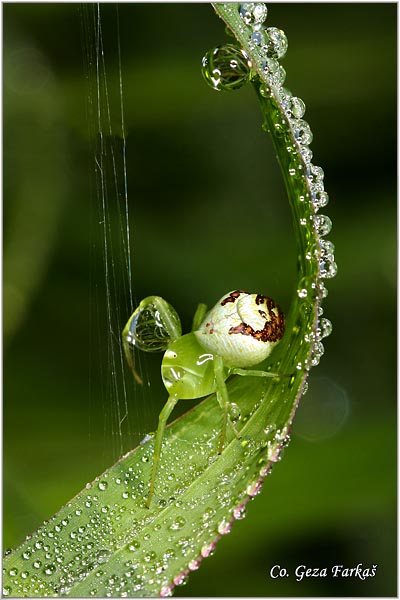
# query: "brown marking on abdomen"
[233,296]
[273,329]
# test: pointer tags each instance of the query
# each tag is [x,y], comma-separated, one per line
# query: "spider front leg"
[199,316]
[162,421]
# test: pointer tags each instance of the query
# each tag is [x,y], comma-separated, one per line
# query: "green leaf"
[105,542]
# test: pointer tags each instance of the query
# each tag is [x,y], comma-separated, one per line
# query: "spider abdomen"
[242,328]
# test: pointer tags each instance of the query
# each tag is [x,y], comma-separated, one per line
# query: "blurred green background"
[208,214]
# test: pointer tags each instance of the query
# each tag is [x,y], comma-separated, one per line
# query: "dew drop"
[319,198]
[323,224]
[207,550]
[239,512]
[103,485]
[256,39]
[325,327]
[103,555]
[275,72]
[327,249]
[134,545]
[194,564]
[254,488]
[177,523]
[323,292]
[49,569]
[277,44]
[302,131]
[149,556]
[297,107]
[316,353]
[146,328]
[226,68]
[253,13]
[306,154]
[180,579]
[328,269]
[166,591]
[269,429]
[234,412]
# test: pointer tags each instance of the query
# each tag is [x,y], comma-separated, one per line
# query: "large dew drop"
[226,68]
[152,326]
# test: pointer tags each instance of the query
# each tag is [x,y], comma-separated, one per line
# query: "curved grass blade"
[105,542]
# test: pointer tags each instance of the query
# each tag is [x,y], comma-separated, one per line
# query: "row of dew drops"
[224,68]
[70,552]
[229,67]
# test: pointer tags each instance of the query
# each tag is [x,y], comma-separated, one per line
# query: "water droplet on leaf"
[226,68]
[277,44]
[253,13]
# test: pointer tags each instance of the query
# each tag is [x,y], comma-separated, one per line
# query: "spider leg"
[199,316]
[162,421]
[223,399]
[255,373]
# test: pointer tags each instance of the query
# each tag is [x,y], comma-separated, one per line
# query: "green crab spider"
[239,332]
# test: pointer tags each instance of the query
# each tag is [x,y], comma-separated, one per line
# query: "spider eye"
[152,326]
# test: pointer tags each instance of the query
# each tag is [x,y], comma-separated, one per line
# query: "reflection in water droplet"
[224,527]
[277,44]
[239,512]
[316,353]
[207,550]
[323,224]
[234,412]
[226,68]
[103,555]
[148,328]
[324,328]
[178,523]
[253,13]
[319,199]
[275,72]
[302,131]
[134,545]
[306,154]
[49,569]
[194,564]
[256,39]
[254,488]
[297,108]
